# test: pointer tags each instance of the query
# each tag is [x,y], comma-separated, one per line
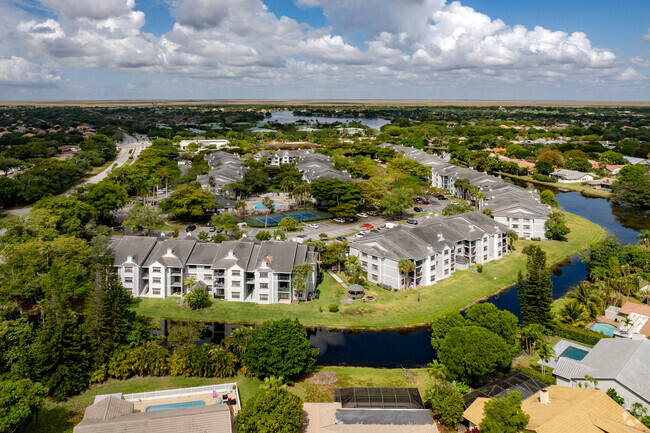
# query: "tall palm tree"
[587,297]
[406,266]
[627,322]
[436,370]
[545,353]
[267,202]
[187,282]
[240,205]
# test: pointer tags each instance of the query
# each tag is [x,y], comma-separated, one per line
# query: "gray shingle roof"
[138,247]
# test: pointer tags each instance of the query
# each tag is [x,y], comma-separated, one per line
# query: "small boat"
[564,190]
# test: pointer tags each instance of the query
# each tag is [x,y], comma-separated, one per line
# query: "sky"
[586,50]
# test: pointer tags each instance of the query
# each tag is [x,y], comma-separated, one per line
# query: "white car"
[359,235]
[314,226]
[362,215]
[339,220]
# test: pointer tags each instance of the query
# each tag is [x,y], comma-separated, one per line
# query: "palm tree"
[572,313]
[627,322]
[240,205]
[189,282]
[545,353]
[512,237]
[406,266]
[587,298]
[267,202]
[301,190]
[353,269]
[436,370]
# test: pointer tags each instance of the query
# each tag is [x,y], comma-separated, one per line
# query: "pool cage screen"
[375,398]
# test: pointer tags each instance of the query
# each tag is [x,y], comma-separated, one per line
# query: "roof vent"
[441,237]
[544,398]
[170,252]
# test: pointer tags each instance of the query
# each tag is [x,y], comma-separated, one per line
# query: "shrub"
[548,378]
[150,359]
[446,403]
[263,235]
[198,298]
[237,236]
[334,308]
[207,360]
[580,335]
[479,269]
[275,410]
[542,178]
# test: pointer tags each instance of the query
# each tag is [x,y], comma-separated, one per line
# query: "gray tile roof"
[624,360]
[138,247]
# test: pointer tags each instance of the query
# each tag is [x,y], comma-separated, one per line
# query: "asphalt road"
[137,143]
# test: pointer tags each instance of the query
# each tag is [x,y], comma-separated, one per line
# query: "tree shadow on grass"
[52,419]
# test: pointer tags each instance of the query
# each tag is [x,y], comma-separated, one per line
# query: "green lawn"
[392,309]
[62,417]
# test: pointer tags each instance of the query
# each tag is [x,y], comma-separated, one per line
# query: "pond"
[412,348]
[287,116]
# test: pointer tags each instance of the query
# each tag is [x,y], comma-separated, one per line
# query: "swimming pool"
[574,353]
[175,405]
[260,206]
[604,328]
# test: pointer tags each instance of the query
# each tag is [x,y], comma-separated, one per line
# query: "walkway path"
[340,281]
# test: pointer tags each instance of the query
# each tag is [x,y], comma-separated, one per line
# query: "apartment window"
[374,258]
[375,267]
[264,274]
[264,297]
[264,285]
[156,280]
[207,277]
[515,226]
[446,261]
[156,270]
[128,280]
[128,270]
[234,295]
[235,283]
[364,264]
[485,248]
[235,273]
[515,219]
[433,268]
[156,291]
[446,271]
[526,219]
[526,227]
[374,277]
[484,257]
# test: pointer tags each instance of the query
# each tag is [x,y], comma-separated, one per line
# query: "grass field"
[62,417]
[392,309]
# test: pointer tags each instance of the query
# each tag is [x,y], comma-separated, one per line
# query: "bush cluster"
[581,335]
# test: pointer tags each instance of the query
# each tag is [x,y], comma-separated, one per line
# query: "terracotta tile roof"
[574,410]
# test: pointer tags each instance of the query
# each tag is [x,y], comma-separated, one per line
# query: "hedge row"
[548,379]
[581,335]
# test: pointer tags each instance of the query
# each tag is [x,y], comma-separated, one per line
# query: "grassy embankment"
[62,417]
[577,186]
[391,309]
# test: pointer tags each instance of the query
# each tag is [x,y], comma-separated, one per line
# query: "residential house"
[613,169]
[604,183]
[225,168]
[558,409]
[571,176]
[638,325]
[618,363]
[244,270]
[437,246]
[204,144]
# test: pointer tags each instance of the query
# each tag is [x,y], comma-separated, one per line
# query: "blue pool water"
[574,353]
[604,328]
[298,216]
[175,406]
[260,206]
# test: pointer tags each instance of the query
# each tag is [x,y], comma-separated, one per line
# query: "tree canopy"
[271,411]
[504,415]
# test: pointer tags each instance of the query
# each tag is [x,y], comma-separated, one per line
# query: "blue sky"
[313,49]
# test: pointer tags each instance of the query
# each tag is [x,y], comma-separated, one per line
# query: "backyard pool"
[175,406]
[604,328]
[574,353]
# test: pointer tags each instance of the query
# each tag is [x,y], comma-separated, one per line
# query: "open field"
[62,417]
[391,309]
[326,102]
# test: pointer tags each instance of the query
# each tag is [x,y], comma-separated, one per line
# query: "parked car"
[314,226]
[412,221]
[359,235]
[374,231]
[212,229]
[362,215]
[341,239]
[368,226]
[421,200]
[418,209]
[190,228]
[339,220]
[441,197]
[350,219]
[372,213]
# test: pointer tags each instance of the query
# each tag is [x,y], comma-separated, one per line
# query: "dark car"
[412,221]
[212,229]
[350,219]
[341,239]
[374,231]
[441,197]
[418,209]
[190,228]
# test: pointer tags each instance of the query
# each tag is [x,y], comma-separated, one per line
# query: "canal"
[412,348]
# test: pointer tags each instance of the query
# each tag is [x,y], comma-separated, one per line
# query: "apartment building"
[244,270]
[437,246]
[520,209]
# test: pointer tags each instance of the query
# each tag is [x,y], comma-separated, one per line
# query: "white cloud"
[19,71]
[631,75]
[640,61]
[98,9]
[646,37]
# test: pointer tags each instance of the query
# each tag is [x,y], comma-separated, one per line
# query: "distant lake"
[287,116]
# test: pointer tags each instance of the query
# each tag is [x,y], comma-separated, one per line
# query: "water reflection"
[287,116]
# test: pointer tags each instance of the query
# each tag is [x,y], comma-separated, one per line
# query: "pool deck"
[142,405]
[559,348]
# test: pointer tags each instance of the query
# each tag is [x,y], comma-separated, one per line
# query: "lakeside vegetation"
[577,187]
[391,309]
